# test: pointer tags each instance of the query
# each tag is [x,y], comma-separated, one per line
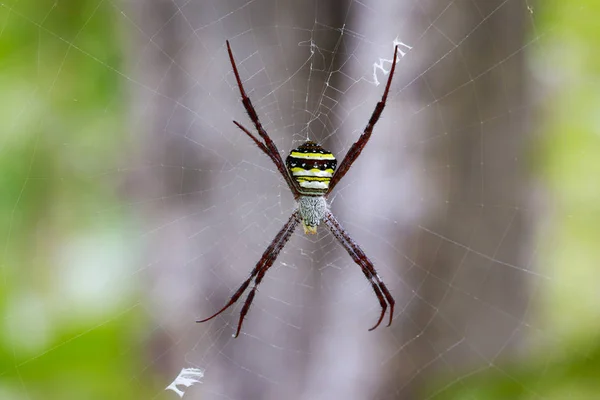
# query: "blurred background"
[130,205]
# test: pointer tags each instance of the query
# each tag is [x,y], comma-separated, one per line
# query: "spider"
[311,173]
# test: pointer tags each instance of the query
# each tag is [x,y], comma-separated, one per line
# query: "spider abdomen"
[312,210]
[311,167]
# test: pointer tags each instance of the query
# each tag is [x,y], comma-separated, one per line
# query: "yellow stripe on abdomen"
[312,156]
[298,172]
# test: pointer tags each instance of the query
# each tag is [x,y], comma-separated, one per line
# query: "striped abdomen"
[312,167]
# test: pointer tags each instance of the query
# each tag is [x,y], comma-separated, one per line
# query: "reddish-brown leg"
[360,258]
[268,147]
[358,146]
[265,262]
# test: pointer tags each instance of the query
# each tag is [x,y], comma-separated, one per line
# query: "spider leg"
[257,281]
[277,161]
[360,258]
[268,258]
[369,276]
[268,147]
[359,145]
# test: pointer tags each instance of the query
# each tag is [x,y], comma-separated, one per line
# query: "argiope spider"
[311,174]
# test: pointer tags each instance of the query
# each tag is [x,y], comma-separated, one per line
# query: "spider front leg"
[265,262]
[360,258]
[359,145]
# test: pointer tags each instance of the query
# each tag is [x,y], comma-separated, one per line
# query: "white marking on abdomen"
[314,185]
[321,174]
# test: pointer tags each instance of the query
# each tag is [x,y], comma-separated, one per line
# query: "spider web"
[197,203]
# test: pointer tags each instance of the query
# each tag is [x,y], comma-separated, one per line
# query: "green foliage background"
[62,128]
[62,125]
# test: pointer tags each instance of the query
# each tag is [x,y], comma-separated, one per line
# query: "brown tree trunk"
[470,251]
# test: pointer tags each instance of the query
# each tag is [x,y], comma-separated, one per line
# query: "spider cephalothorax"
[310,173]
